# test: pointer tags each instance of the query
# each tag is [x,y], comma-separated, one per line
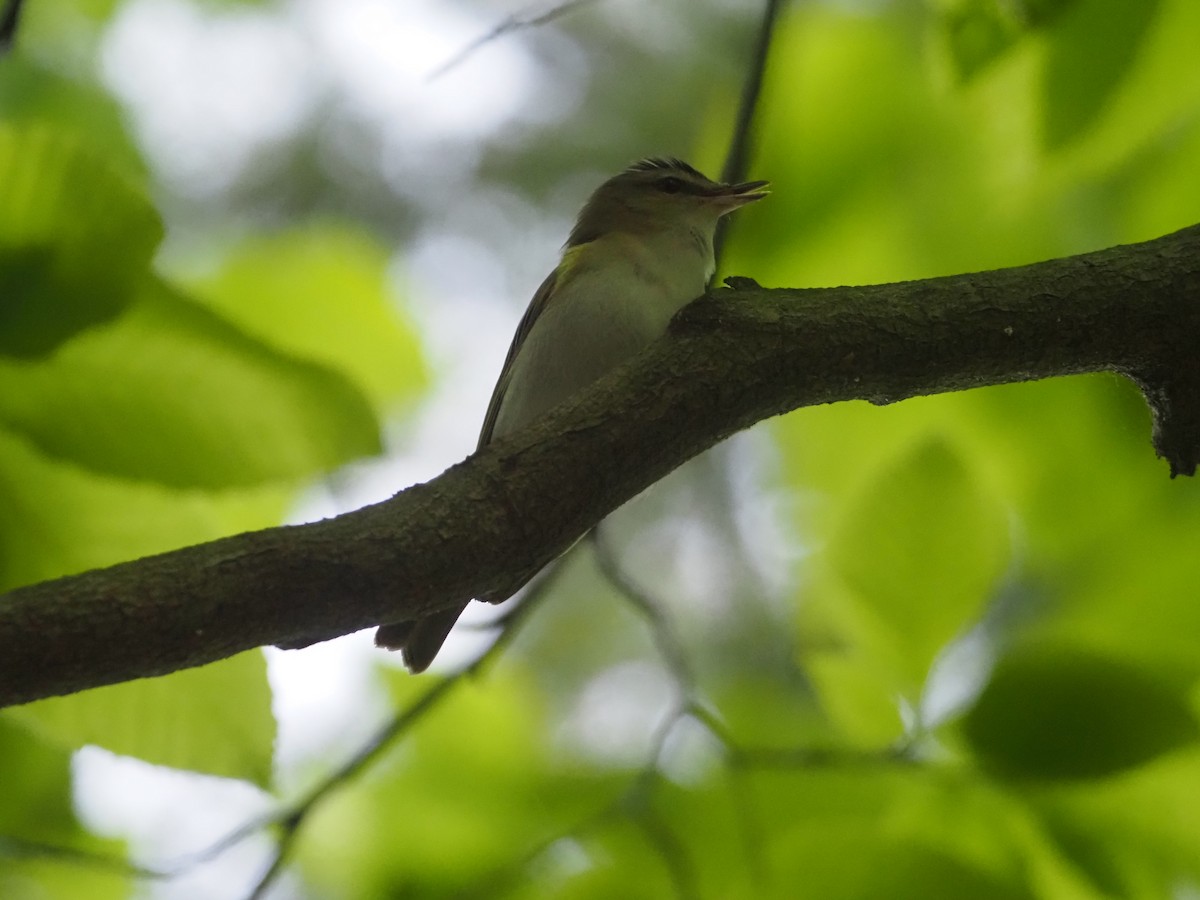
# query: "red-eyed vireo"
[641,249]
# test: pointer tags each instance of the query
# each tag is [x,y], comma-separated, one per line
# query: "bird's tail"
[419,641]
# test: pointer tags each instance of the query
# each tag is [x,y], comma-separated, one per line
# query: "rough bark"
[732,358]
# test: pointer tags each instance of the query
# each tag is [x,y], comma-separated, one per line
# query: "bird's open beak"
[728,197]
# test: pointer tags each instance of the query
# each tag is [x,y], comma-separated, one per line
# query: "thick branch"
[486,525]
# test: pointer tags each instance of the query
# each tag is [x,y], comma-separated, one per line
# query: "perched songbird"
[641,249]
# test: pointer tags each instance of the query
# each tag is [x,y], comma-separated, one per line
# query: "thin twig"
[293,818]
[665,841]
[902,752]
[741,146]
[515,22]
[736,163]
[680,868]
[637,796]
[661,633]
[750,828]
[273,871]
[8,25]
[741,143]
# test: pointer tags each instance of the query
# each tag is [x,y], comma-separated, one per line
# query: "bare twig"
[635,802]
[293,818]
[662,838]
[741,143]
[515,22]
[657,832]
[8,25]
[661,633]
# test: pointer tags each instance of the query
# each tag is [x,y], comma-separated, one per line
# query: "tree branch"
[732,358]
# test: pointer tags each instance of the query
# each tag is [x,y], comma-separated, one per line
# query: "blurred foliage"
[76,240]
[280,289]
[981,677]
[169,721]
[136,417]
[215,408]
[36,815]
[1059,713]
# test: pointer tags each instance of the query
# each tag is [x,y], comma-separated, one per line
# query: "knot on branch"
[1174,401]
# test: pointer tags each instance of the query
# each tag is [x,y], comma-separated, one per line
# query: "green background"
[971,667]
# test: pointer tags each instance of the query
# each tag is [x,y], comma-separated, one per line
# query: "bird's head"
[657,195]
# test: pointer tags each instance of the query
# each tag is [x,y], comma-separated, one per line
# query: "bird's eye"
[670,185]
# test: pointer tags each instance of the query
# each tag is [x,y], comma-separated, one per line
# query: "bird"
[640,250]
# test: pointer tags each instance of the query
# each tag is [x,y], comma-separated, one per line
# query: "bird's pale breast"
[613,299]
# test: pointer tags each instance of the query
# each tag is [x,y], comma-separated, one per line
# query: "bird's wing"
[419,641]
[536,306]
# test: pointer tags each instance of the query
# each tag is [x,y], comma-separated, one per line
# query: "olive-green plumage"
[640,250]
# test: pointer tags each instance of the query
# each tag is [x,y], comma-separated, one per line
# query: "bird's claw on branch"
[741,283]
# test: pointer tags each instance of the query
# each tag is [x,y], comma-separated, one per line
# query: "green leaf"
[1092,48]
[172,393]
[856,693]
[322,293]
[1116,868]
[1038,13]
[33,92]
[37,814]
[444,792]
[1057,711]
[888,830]
[1134,836]
[214,719]
[840,863]
[977,32]
[922,548]
[865,868]
[75,239]
[60,519]
[619,861]
[37,780]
